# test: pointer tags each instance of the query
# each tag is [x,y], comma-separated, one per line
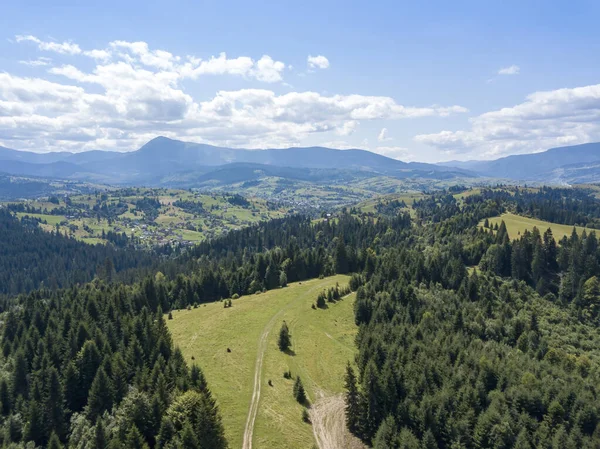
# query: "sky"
[418,81]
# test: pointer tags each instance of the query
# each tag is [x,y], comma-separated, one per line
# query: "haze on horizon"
[448,82]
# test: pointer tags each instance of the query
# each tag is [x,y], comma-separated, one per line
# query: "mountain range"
[169,162]
[563,165]
[164,161]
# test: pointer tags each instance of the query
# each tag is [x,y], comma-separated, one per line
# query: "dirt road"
[260,354]
[327,413]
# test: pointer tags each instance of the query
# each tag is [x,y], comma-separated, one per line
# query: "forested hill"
[31,258]
[466,339]
[503,355]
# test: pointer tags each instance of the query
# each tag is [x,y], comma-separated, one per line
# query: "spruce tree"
[189,440]
[134,439]
[341,257]
[284,342]
[19,377]
[299,392]
[54,442]
[99,435]
[54,412]
[34,429]
[101,395]
[353,412]
[5,401]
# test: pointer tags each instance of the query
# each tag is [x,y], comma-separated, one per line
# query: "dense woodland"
[31,258]
[466,339]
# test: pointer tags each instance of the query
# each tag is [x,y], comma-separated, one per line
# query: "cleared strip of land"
[256,414]
[517,224]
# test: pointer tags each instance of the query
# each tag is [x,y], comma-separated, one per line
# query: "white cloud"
[134,93]
[39,62]
[318,62]
[544,120]
[268,70]
[62,48]
[512,70]
[100,55]
[383,135]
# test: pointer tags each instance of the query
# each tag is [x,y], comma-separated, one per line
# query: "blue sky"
[76,76]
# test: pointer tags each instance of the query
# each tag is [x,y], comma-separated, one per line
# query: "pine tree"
[54,413]
[387,435]
[353,412]
[34,429]
[19,377]
[428,441]
[284,342]
[5,401]
[166,433]
[299,392]
[134,439]
[189,440]
[341,257]
[54,442]
[101,395]
[99,435]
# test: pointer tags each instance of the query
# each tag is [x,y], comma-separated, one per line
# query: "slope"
[322,345]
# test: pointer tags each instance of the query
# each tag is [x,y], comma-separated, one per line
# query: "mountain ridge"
[542,166]
[163,158]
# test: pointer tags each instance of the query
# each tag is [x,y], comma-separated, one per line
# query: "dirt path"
[253,410]
[328,417]
[260,354]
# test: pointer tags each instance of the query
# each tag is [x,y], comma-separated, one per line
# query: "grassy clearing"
[322,340]
[516,226]
[49,219]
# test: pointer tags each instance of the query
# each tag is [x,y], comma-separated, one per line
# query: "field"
[516,226]
[322,344]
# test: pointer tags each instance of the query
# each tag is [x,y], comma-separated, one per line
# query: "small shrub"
[235,296]
[305,416]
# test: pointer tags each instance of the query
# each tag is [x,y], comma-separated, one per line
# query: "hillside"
[516,226]
[145,217]
[322,344]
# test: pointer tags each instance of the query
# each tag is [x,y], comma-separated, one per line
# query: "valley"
[146,217]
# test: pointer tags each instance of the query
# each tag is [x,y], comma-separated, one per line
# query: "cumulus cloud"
[318,62]
[383,135]
[512,70]
[134,93]
[100,55]
[544,120]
